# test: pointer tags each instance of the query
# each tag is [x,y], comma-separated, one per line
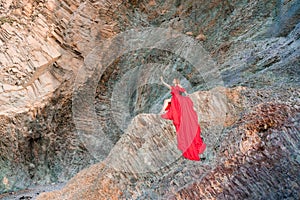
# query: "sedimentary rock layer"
[255,44]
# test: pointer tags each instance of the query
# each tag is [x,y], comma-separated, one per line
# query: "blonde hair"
[177,81]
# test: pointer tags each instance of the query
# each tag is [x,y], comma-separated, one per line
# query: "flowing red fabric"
[185,120]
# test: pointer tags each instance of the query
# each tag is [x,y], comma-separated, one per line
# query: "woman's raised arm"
[167,85]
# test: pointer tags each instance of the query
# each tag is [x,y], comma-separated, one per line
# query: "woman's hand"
[161,78]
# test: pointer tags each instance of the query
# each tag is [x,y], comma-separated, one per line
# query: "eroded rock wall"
[44,43]
[254,156]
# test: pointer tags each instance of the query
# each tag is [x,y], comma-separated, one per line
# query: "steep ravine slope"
[255,45]
[39,62]
[255,156]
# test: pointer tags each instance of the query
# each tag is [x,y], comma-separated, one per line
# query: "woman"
[180,110]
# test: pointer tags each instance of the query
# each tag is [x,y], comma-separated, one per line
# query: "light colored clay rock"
[42,45]
[28,55]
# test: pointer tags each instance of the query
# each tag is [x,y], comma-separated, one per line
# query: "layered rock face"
[251,125]
[250,158]
[39,62]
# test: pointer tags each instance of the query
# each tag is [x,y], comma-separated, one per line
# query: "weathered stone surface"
[148,137]
[26,61]
[264,63]
[42,47]
[257,165]
[255,44]
[253,151]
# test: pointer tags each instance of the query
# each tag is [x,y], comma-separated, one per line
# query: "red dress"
[185,120]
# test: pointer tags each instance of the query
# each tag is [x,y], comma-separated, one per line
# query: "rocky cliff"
[79,87]
[250,158]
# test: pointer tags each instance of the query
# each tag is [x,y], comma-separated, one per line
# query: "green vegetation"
[4,20]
